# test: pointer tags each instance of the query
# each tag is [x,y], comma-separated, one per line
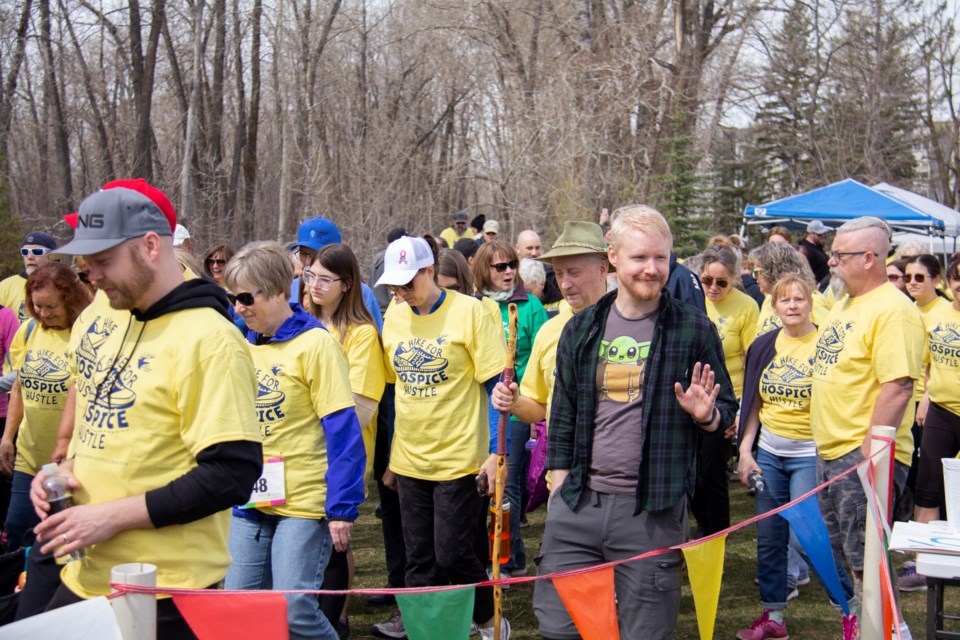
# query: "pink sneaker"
[763,628]
[851,627]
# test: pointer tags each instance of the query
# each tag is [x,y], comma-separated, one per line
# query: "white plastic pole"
[136,613]
[871,623]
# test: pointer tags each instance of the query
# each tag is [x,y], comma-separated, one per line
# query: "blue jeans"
[785,479]
[284,554]
[20,514]
[516,491]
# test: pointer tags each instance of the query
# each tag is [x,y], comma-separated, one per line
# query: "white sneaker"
[487,634]
[503,574]
[793,594]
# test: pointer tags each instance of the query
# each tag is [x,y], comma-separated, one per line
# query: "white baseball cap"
[404,258]
[180,234]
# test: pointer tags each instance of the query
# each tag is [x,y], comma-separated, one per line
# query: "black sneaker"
[382,599]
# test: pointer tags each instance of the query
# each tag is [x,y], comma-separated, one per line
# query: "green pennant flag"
[444,615]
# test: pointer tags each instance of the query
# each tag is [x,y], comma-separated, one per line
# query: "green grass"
[809,616]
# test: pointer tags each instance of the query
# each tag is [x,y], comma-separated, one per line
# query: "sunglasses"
[756,272]
[892,277]
[84,277]
[246,298]
[35,251]
[503,266]
[919,278]
[217,261]
[709,280]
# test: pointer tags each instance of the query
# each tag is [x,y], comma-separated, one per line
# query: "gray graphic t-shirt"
[617,436]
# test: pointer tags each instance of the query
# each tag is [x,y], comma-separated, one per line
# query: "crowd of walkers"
[224,414]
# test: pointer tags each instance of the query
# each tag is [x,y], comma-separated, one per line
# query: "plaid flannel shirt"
[682,337]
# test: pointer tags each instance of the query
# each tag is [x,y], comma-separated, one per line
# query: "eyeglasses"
[217,261]
[840,255]
[892,277]
[320,282]
[919,278]
[246,298]
[503,266]
[35,251]
[708,281]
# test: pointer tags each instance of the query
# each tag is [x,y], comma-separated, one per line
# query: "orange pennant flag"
[705,570]
[589,599]
[238,616]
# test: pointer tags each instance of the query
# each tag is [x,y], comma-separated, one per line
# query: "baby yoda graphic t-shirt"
[618,436]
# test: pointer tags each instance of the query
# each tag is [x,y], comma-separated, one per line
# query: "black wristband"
[713,416]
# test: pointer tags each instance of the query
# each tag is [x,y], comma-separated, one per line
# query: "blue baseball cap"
[317,233]
[39,238]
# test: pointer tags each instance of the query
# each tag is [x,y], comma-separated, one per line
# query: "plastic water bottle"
[756,481]
[59,497]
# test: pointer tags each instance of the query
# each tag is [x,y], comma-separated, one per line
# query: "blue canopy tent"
[840,202]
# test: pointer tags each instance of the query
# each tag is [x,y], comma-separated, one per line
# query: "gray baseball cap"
[107,218]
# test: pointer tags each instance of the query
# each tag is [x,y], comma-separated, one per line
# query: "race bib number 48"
[270,488]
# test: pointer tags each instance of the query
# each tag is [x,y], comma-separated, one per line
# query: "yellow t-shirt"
[768,320]
[451,236]
[537,383]
[150,397]
[735,317]
[943,338]
[493,308]
[864,342]
[13,294]
[299,381]
[439,363]
[920,386]
[367,378]
[44,376]
[785,387]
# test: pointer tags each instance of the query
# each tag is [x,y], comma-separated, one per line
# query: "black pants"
[439,531]
[170,623]
[389,500]
[711,498]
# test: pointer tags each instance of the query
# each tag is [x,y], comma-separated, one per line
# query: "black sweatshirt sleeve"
[224,477]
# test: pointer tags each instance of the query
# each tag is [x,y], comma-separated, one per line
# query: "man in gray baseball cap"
[165,436]
[108,218]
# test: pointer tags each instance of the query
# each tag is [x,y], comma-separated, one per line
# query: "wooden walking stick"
[508,375]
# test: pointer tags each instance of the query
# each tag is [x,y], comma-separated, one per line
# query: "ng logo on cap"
[91,221]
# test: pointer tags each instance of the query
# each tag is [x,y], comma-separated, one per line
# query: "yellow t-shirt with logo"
[299,381]
[367,378]
[785,387]
[439,362]
[150,397]
[735,317]
[537,383]
[925,310]
[44,375]
[768,320]
[864,342]
[13,294]
[943,339]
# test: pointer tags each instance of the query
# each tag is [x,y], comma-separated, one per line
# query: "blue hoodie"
[346,456]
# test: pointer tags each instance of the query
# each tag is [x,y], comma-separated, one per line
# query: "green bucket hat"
[578,238]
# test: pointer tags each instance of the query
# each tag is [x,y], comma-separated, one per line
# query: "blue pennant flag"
[810,530]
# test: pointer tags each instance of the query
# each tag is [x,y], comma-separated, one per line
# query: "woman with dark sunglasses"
[732,311]
[444,352]
[497,277]
[312,443]
[215,262]
[939,411]
[921,280]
